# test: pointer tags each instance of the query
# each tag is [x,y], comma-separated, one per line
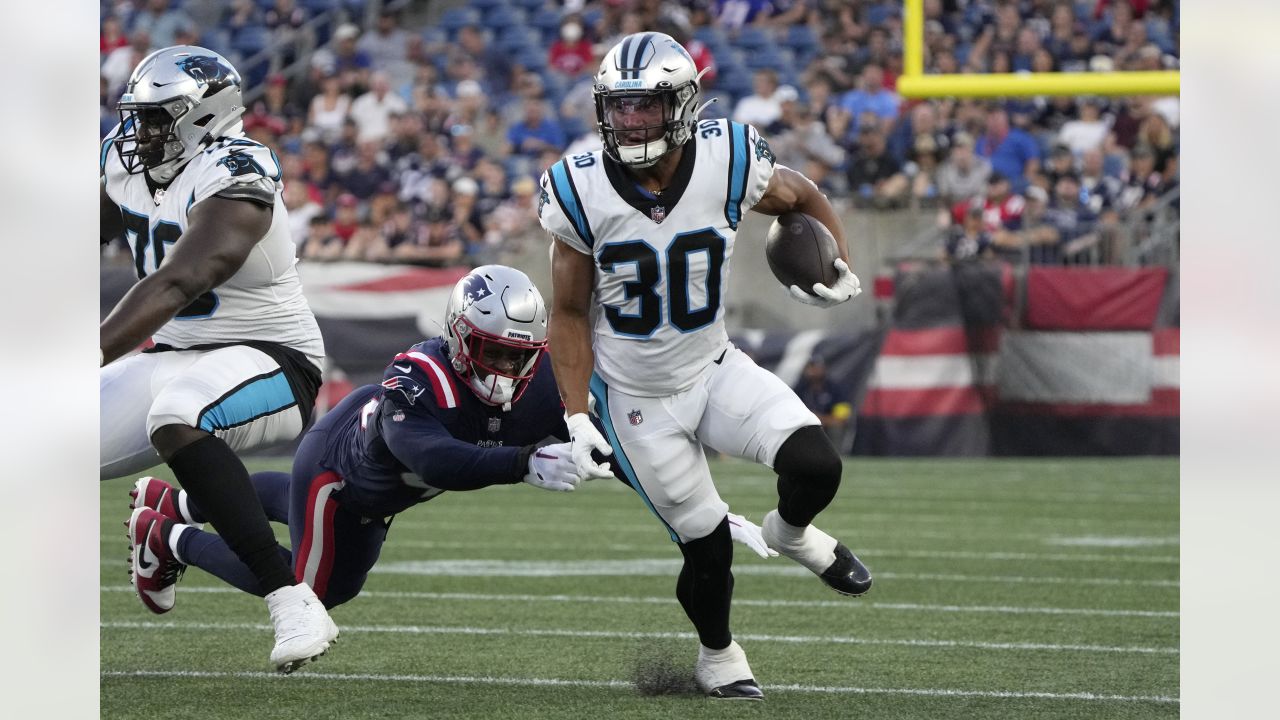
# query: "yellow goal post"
[913,83]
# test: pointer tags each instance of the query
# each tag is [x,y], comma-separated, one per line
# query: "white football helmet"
[496,330]
[647,75]
[177,101]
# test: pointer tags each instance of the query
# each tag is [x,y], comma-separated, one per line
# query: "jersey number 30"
[649,270]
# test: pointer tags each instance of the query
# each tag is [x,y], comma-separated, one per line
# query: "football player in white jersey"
[236,361]
[648,226]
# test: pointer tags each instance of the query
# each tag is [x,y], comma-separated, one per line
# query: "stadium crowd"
[416,143]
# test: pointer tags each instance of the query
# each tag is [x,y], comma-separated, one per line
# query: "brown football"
[801,251]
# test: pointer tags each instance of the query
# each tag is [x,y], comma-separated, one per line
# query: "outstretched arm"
[569,332]
[220,235]
[789,191]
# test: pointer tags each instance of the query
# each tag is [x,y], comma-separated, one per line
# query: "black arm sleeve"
[422,443]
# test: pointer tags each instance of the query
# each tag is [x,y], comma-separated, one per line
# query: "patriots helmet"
[496,330]
[177,101]
[646,92]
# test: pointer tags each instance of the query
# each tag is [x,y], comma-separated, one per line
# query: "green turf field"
[1004,589]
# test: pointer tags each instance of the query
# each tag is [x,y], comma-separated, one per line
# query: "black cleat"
[741,690]
[847,575]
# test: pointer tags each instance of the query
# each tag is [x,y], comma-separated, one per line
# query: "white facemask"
[571,32]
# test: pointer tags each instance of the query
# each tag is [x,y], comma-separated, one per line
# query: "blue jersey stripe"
[567,195]
[737,173]
[601,393]
[263,396]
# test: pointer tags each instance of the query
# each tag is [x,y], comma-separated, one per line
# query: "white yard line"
[746,602]
[622,635]
[559,682]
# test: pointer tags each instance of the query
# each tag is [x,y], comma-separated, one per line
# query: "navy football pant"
[333,548]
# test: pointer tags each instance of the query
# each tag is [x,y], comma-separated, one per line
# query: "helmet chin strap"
[634,155]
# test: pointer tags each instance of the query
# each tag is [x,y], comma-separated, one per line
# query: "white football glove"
[586,438]
[846,288]
[552,468]
[748,533]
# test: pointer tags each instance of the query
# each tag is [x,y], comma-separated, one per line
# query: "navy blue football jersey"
[422,432]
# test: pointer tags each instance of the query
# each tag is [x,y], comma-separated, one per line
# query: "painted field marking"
[559,682]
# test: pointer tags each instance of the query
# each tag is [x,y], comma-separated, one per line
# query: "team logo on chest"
[658,213]
[495,424]
[634,417]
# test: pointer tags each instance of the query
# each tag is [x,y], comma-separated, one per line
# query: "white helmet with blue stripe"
[645,93]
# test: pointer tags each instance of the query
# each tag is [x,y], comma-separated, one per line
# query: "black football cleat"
[741,690]
[847,575]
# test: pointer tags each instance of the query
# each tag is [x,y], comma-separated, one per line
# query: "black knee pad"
[808,455]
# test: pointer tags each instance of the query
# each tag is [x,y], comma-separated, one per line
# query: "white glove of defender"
[846,288]
[552,468]
[586,438]
[748,533]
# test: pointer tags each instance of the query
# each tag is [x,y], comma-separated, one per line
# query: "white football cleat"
[833,563]
[303,627]
[725,674]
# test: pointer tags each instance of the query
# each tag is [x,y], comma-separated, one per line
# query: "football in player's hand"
[801,251]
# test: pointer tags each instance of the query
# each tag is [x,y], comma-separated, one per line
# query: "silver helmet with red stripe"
[496,330]
[646,92]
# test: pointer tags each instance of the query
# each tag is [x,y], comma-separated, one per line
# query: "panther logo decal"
[239,162]
[763,152]
[209,72]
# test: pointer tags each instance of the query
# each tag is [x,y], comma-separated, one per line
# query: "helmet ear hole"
[203,121]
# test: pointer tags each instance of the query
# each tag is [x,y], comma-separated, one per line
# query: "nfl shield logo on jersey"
[495,424]
[658,213]
[635,417]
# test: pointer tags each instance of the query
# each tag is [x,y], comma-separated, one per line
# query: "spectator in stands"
[1074,221]
[438,245]
[328,110]
[969,240]
[319,243]
[1011,150]
[121,62]
[465,221]
[495,67]
[1155,133]
[302,209]
[514,219]
[400,228]
[1036,239]
[874,174]
[373,110]
[733,14]
[764,105]
[368,173]
[801,142]
[161,21]
[871,96]
[536,132]
[386,45]
[1002,207]
[287,23]
[1100,191]
[1142,182]
[571,54]
[111,37]
[1060,162]
[826,399]
[964,174]
[352,64]
[240,14]
[703,58]
[1089,131]
[922,169]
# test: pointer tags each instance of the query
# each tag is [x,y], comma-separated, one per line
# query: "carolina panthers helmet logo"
[474,289]
[543,199]
[209,72]
[240,162]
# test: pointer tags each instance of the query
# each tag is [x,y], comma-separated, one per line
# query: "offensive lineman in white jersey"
[236,362]
[648,226]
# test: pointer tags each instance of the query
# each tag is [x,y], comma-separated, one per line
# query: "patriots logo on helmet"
[240,162]
[209,72]
[474,289]
[406,386]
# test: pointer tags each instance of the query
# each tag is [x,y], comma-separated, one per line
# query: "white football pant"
[736,407]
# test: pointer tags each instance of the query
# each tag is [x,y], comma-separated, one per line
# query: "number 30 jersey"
[263,300]
[662,261]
